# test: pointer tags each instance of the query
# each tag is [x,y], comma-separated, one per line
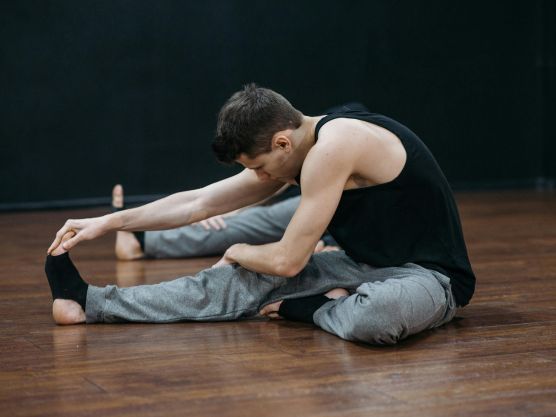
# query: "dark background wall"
[95,93]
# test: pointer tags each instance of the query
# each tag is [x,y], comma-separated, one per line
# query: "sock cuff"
[140,236]
[302,309]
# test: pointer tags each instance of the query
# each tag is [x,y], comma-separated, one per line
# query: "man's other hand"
[214,223]
[227,259]
[321,247]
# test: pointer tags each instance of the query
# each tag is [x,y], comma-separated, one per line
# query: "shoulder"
[341,126]
[366,150]
[343,139]
[328,157]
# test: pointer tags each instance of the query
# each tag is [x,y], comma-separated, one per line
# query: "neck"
[305,135]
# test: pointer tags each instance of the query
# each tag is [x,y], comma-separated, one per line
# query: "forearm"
[258,203]
[270,259]
[170,212]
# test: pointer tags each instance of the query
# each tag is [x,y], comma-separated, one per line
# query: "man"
[366,177]
[254,225]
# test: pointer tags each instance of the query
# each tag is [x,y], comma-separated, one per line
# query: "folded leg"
[396,303]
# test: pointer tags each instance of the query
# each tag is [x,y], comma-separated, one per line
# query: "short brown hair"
[249,119]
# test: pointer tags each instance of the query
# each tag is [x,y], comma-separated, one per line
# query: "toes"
[337,293]
[118,196]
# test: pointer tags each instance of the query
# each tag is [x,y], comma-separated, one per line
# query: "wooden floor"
[497,359]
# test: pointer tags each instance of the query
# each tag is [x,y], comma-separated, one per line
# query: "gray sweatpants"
[255,226]
[385,305]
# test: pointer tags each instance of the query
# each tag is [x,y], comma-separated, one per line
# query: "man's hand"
[82,229]
[228,257]
[216,223]
[321,247]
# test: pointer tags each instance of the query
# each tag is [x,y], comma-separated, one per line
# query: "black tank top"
[413,218]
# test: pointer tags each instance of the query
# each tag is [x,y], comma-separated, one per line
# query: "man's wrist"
[112,222]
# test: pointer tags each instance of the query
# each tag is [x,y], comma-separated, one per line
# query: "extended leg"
[225,293]
[255,225]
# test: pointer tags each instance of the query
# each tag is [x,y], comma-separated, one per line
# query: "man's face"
[277,164]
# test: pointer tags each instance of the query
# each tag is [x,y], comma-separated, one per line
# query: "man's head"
[253,122]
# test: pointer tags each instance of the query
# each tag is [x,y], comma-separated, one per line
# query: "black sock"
[302,309]
[140,236]
[64,279]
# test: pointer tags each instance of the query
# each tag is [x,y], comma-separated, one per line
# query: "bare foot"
[67,312]
[337,293]
[127,246]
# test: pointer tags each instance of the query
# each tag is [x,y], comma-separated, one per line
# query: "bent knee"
[379,322]
[378,332]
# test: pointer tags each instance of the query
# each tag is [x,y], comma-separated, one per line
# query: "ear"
[282,142]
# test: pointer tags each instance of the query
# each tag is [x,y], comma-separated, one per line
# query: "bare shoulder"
[328,161]
[375,154]
[348,130]
[342,140]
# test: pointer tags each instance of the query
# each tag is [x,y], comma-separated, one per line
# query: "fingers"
[58,239]
[330,248]
[53,245]
[68,244]
[81,229]
[60,249]
[222,261]
[216,223]
[319,247]
[220,221]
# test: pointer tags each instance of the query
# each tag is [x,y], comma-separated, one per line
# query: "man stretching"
[365,177]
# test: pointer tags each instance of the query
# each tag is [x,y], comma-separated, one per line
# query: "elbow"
[287,269]
[287,264]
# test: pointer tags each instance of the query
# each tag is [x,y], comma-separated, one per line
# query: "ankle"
[128,247]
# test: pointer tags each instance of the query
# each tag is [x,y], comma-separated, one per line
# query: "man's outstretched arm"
[173,211]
